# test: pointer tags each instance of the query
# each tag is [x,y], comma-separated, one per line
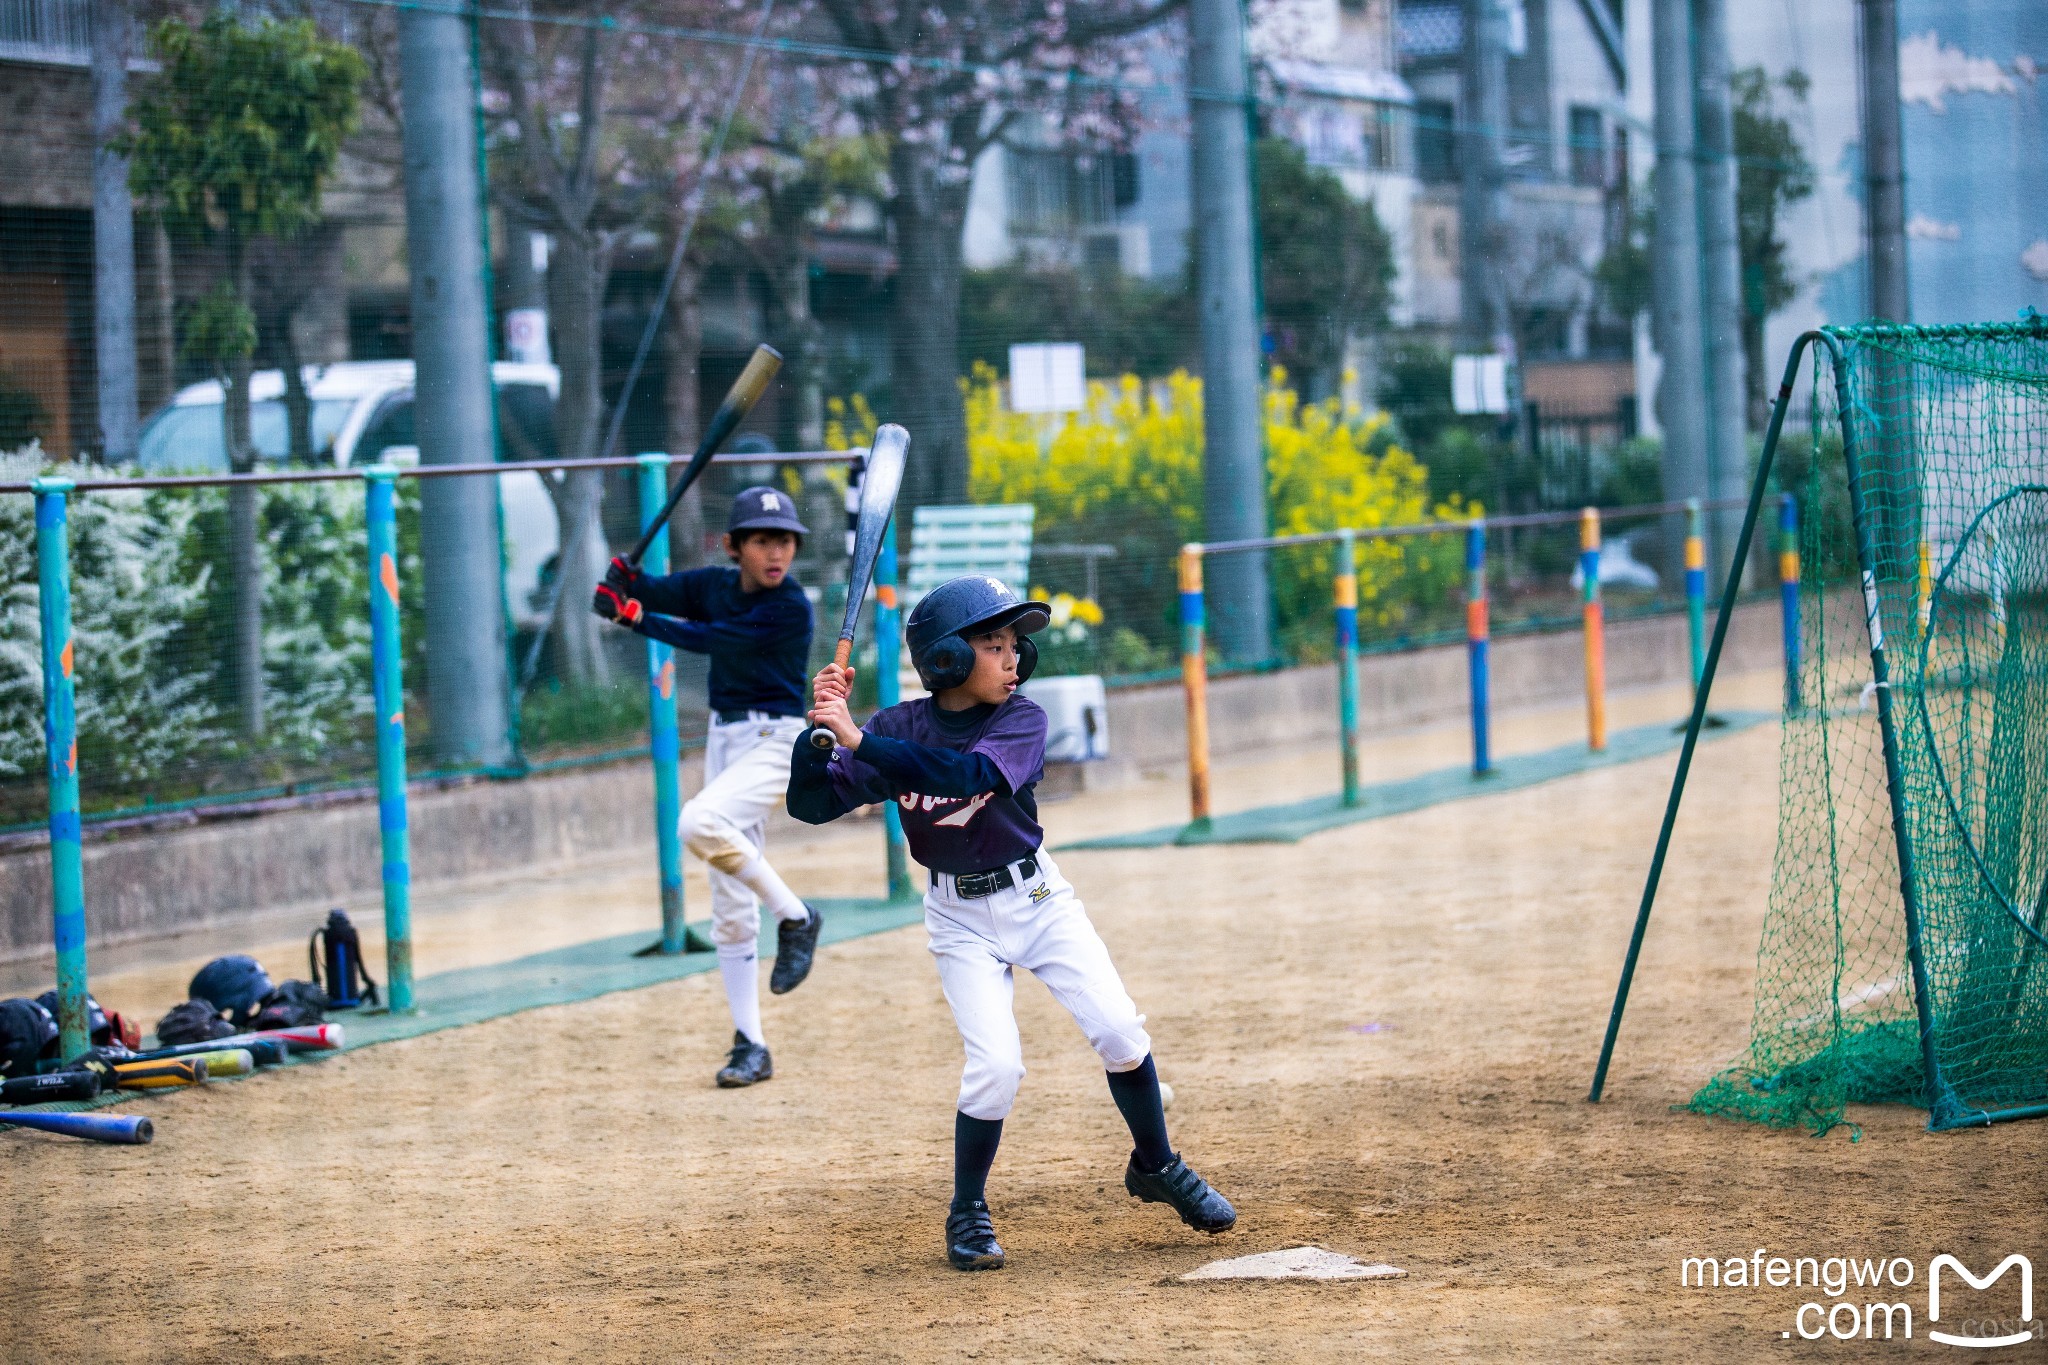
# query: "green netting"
[1947,459]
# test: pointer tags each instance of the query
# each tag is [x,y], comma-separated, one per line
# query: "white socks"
[740,966]
[765,882]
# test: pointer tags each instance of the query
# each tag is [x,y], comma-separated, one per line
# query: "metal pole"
[889,691]
[113,235]
[1726,368]
[1596,634]
[1788,594]
[1482,192]
[1696,589]
[1347,660]
[661,712]
[60,736]
[1676,302]
[1194,677]
[468,680]
[1233,418]
[1884,163]
[387,684]
[1478,646]
[1697,721]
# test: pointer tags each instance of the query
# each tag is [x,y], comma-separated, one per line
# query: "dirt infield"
[1380,1041]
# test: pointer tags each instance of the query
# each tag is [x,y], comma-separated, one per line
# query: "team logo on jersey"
[959,819]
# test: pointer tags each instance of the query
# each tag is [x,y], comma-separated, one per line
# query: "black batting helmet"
[958,609]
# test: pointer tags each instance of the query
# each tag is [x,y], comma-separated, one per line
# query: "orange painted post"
[1596,634]
[1194,677]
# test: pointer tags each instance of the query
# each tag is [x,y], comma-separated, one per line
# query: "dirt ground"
[1380,1041]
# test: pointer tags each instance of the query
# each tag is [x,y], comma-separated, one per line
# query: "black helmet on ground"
[956,611]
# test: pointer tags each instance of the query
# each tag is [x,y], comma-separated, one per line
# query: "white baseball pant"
[1038,924]
[746,776]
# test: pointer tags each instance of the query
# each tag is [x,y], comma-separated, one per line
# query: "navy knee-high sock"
[1136,1093]
[974,1151]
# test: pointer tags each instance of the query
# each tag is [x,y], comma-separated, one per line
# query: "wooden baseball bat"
[739,401]
[99,1127]
[877,504]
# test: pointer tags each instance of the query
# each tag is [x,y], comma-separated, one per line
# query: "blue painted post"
[1478,645]
[889,691]
[60,739]
[1788,593]
[1347,661]
[661,711]
[387,685]
[1696,589]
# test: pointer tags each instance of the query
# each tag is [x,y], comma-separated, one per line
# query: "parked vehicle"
[362,414]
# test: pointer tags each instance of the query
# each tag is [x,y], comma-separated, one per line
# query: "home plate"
[1295,1263]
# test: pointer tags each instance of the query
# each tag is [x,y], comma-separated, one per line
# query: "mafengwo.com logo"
[1873,1298]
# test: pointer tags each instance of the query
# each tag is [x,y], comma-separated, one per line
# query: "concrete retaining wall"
[222,873]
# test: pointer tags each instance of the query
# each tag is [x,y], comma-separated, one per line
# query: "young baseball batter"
[755,623]
[961,765]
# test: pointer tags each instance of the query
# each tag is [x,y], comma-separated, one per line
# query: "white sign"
[1047,377]
[526,335]
[1479,383]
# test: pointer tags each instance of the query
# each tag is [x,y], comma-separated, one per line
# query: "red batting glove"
[614,605]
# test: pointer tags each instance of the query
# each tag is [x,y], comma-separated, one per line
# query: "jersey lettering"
[959,818]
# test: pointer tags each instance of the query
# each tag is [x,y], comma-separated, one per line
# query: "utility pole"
[113,235]
[1482,183]
[1675,294]
[1233,426]
[1721,259]
[1884,164]
[467,679]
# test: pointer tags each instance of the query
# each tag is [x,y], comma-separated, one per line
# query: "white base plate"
[1295,1263]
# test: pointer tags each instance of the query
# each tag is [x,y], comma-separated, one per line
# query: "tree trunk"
[576,278]
[245,565]
[800,338]
[282,350]
[682,351]
[928,214]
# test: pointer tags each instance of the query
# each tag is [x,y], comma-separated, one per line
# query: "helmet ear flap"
[1027,658]
[946,664]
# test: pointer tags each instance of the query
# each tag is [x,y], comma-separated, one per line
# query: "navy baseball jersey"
[759,642]
[968,833]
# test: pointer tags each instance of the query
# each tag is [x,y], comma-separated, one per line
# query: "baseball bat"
[98,1127]
[299,1038]
[739,401]
[164,1075]
[877,504]
[262,1051]
[232,1061]
[57,1085]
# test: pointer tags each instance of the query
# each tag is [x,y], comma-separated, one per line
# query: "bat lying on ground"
[877,504]
[99,1127]
[262,1051]
[167,1074]
[58,1085]
[223,1062]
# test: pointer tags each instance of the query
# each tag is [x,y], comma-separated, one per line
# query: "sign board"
[526,335]
[1479,383]
[1047,377]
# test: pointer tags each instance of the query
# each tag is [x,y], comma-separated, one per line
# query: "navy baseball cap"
[764,509]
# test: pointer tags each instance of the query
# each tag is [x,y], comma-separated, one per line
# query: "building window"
[1429,31]
[1382,140]
[1588,146]
[1054,191]
[1436,140]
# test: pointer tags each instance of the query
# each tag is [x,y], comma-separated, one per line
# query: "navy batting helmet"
[96,1025]
[958,609]
[764,509]
[235,985]
[26,1028]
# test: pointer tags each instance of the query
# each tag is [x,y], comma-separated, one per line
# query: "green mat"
[560,976]
[1295,821]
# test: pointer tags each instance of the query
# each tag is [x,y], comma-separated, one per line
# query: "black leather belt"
[736,717]
[974,885]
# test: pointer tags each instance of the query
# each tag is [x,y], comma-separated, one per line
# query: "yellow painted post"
[1194,677]
[1596,634]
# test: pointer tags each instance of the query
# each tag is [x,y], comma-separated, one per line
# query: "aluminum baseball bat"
[878,488]
[99,1127]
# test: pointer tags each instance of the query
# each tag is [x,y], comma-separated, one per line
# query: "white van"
[362,413]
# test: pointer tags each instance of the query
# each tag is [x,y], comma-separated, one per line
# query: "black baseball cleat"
[1199,1206]
[748,1063]
[971,1237]
[796,943]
